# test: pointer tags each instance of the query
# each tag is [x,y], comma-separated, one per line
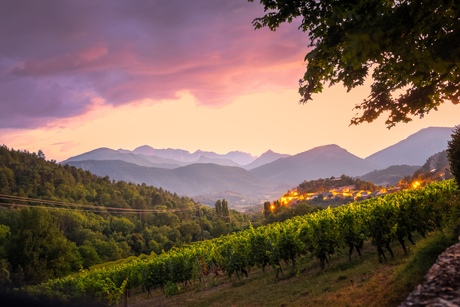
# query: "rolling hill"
[190,180]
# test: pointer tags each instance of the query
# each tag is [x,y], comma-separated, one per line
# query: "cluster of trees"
[222,207]
[325,185]
[41,243]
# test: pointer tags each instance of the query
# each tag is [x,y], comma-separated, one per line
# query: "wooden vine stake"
[201,271]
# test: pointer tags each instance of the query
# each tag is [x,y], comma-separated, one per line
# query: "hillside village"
[355,192]
[345,192]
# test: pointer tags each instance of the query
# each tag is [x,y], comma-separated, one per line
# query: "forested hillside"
[80,219]
[324,185]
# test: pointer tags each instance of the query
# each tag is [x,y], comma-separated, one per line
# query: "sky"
[80,75]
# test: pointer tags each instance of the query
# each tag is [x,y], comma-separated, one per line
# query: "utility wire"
[90,208]
[110,209]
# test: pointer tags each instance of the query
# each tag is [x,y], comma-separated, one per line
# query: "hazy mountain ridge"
[391,175]
[240,158]
[272,168]
[267,157]
[103,154]
[219,161]
[415,149]
[319,162]
[191,180]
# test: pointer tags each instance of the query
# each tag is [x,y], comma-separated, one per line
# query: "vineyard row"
[394,217]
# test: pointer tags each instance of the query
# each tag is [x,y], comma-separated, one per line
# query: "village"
[350,193]
[344,193]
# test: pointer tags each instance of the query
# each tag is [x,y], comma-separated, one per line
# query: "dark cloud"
[56,55]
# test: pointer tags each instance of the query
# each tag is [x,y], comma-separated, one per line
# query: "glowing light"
[272,207]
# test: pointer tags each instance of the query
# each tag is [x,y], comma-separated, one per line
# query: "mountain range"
[415,149]
[204,172]
[319,162]
[194,179]
[240,158]
[103,154]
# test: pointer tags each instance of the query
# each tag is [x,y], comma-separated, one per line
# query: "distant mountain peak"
[415,149]
[328,146]
[267,157]
[271,153]
[145,147]
[319,162]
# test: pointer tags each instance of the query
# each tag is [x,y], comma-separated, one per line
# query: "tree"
[122,225]
[41,155]
[411,46]
[218,206]
[267,209]
[89,256]
[38,246]
[219,228]
[225,210]
[453,154]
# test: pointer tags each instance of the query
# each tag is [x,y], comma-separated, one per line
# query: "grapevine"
[393,217]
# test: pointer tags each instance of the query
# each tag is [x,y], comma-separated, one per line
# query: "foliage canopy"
[408,46]
[453,153]
[41,243]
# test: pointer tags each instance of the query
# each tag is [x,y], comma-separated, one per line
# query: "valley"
[258,179]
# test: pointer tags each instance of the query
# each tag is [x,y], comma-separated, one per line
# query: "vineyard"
[392,218]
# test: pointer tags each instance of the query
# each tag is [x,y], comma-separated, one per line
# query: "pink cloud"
[62,63]
[125,52]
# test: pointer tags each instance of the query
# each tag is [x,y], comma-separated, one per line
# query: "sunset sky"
[79,75]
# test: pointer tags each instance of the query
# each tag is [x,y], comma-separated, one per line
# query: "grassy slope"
[357,283]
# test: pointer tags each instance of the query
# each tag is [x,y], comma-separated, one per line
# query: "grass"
[361,282]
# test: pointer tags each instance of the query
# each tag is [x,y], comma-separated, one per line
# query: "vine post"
[201,271]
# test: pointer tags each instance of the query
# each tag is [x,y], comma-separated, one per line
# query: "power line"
[59,208]
[85,210]
[109,209]
[91,208]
